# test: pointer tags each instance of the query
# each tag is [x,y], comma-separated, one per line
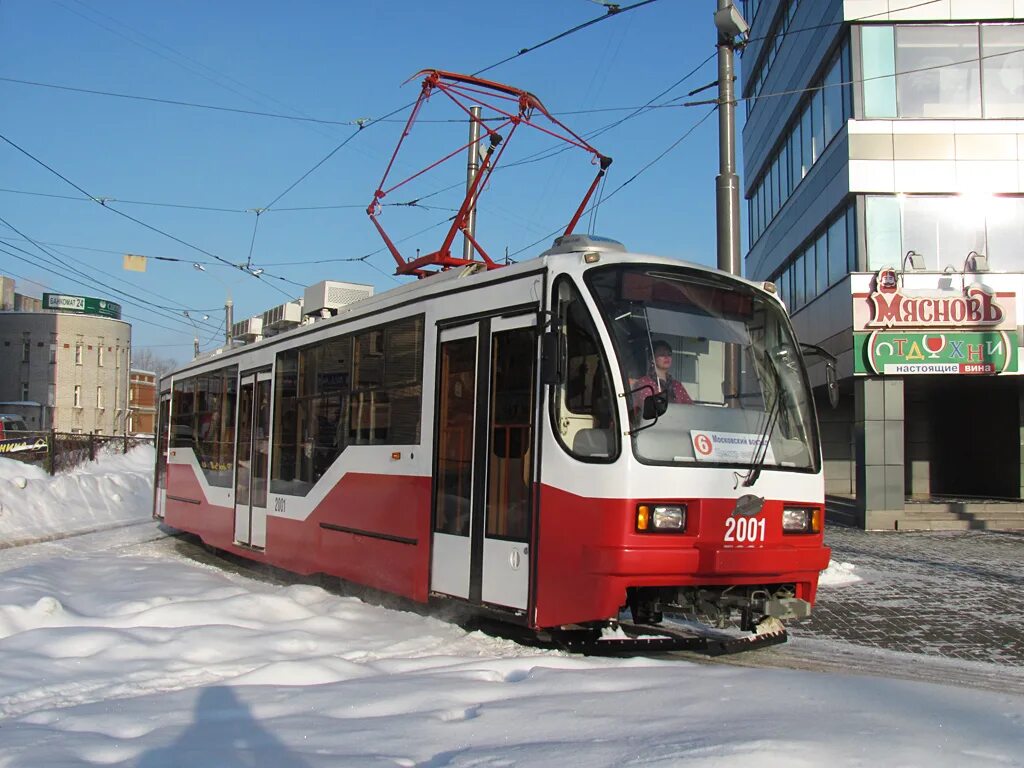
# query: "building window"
[821,262]
[1002,50]
[818,120]
[755,81]
[51,395]
[944,229]
[26,348]
[99,355]
[24,390]
[78,395]
[78,353]
[943,71]
[938,71]
[99,397]
[53,354]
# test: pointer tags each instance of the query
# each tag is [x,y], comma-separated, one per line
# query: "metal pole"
[727,183]
[228,319]
[727,186]
[472,167]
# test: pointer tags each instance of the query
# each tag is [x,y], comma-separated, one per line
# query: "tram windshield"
[711,369]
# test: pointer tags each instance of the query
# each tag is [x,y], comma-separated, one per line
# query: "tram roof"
[565,255]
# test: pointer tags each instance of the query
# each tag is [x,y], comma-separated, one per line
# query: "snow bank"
[115,489]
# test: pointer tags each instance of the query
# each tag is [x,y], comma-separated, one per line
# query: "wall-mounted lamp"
[916,261]
[975,262]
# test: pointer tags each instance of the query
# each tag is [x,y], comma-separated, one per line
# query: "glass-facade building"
[883,169]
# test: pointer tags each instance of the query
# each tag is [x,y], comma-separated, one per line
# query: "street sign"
[84,305]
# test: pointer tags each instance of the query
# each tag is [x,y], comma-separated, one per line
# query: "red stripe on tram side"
[188,509]
[369,529]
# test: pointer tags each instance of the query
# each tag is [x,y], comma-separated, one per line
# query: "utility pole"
[472,167]
[228,319]
[731,26]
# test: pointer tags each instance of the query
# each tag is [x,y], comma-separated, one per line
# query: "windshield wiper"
[764,441]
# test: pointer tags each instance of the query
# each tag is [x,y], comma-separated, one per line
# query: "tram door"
[163,432]
[252,442]
[482,469]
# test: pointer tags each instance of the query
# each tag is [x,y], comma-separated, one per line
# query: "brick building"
[142,387]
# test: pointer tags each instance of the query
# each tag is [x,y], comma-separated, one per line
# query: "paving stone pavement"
[956,594]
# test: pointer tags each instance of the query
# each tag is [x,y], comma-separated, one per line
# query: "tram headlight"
[801,520]
[659,517]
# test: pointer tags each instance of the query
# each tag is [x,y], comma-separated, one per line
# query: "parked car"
[10,422]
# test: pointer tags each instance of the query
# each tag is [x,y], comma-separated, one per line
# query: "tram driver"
[659,379]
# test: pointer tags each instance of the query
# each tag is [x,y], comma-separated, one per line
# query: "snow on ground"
[119,650]
[838,574]
[33,505]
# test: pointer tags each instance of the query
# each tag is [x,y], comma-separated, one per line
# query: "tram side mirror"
[655,405]
[832,383]
[831,377]
[550,348]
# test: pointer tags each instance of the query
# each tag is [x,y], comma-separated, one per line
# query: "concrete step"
[936,515]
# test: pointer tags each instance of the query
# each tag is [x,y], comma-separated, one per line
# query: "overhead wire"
[123,314]
[612,9]
[95,283]
[181,57]
[830,24]
[29,261]
[85,279]
[628,181]
[104,204]
[859,80]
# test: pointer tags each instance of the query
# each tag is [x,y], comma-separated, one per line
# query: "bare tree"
[144,359]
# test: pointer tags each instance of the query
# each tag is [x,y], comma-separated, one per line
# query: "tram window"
[358,389]
[203,419]
[215,424]
[584,402]
[508,477]
[454,470]
[183,410]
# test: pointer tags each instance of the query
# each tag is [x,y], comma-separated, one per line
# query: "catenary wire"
[87,282]
[628,181]
[132,218]
[123,314]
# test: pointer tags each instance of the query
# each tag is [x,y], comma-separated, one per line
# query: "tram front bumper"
[769,560]
[702,562]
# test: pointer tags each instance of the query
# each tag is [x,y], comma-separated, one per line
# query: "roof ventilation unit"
[248,330]
[328,296]
[282,317]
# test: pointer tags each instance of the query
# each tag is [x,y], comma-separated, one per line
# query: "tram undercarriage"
[716,605]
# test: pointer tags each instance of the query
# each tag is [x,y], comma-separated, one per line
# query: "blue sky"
[334,61]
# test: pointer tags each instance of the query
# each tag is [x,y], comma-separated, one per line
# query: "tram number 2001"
[744,529]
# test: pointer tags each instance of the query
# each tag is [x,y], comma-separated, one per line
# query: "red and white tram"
[497,439]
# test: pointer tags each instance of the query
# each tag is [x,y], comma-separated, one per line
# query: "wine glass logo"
[935,344]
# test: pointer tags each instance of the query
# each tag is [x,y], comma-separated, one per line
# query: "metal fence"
[61,451]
